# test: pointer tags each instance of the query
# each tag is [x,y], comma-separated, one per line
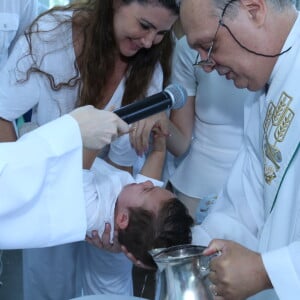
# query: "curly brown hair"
[145,231]
[96,60]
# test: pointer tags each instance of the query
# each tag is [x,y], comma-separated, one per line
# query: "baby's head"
[149,217]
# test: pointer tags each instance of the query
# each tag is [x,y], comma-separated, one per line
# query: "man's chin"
[240,84]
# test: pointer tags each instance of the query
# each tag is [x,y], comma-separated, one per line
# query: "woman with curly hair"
[107,53]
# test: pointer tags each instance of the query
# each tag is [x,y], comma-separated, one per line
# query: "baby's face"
[144,195]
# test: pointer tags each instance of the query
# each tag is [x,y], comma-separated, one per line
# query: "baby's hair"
[145,231]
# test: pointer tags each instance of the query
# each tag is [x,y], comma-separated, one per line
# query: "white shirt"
[102,185]
[100,272]
[15,16]
[218,126]
[47,104]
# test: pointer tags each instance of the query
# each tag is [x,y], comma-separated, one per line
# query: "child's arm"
[89,157]
[7,132]
[154,163]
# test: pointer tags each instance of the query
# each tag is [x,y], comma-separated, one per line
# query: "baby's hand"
[159,137]
[104,241]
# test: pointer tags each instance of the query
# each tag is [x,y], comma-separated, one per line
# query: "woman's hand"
[141,130]
[104,241]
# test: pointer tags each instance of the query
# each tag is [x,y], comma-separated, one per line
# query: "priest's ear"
[256,10]
[122,219]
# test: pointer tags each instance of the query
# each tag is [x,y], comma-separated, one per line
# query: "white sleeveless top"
[218,126]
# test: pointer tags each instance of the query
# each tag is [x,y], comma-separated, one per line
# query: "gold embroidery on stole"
[276,124]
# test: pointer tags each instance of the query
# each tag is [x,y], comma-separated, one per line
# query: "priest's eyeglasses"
[208,62]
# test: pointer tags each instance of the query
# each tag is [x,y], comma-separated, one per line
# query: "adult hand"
[133,259]
[104,242]
[115,247]
[237,273]
[98,127]
[141,130]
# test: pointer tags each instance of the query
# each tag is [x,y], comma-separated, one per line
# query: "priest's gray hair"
[276,4]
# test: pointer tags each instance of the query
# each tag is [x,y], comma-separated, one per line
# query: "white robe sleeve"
[280,238]
[42,202]
[283,269]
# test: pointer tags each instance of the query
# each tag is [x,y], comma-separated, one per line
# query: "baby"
[144,215]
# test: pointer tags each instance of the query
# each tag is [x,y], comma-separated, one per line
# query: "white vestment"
[15,16]
[260,204]
[33,174]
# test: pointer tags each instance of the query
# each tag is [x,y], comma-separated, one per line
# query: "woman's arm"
[183,73]
[89,157]
[181,128]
